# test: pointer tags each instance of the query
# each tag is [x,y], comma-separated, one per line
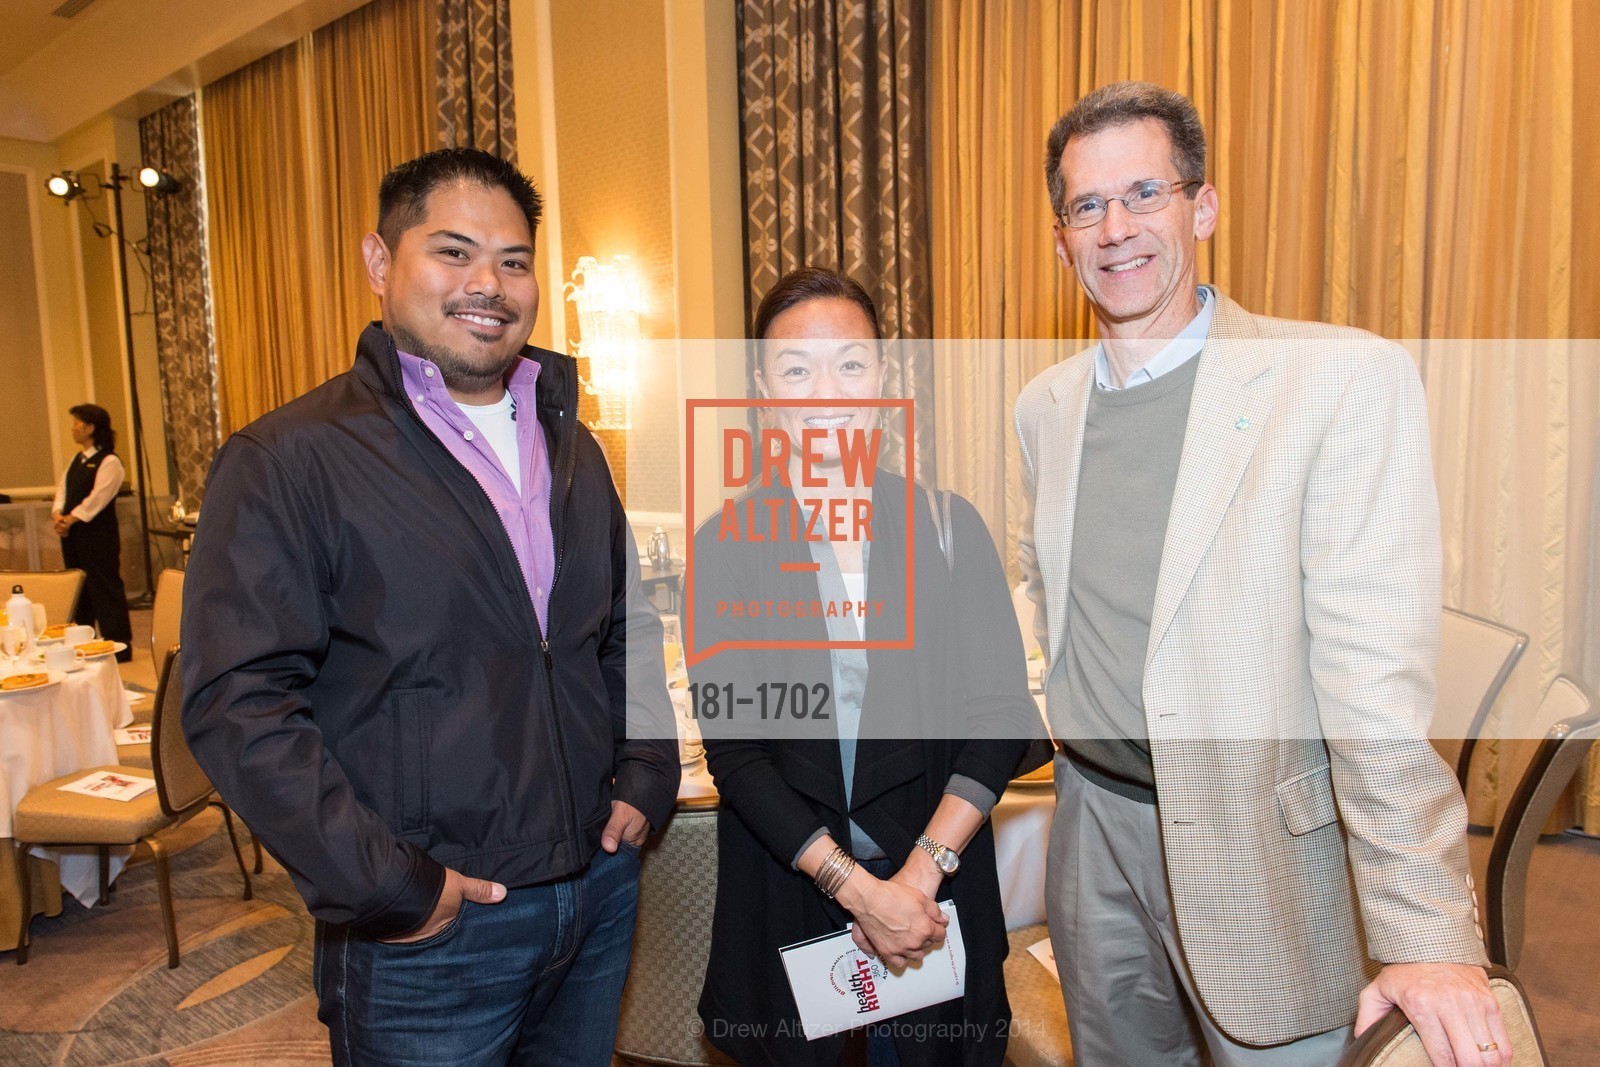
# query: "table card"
[837,987]
[124,787]
[137,734]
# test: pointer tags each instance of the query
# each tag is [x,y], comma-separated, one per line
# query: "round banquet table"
[44,734]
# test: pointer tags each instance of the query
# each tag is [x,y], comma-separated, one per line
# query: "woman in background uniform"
[85,518]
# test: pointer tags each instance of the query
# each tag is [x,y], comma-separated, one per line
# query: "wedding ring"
[1488,1046]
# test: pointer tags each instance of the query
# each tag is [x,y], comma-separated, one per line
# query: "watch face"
[948,862]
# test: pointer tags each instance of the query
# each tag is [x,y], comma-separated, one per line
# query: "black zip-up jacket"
[364,676]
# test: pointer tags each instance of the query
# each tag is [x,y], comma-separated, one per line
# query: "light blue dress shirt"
[1180,350]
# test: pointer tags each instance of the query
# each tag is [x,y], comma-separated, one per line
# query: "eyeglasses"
[1145,197]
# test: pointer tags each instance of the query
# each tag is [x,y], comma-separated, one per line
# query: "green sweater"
[1132,442]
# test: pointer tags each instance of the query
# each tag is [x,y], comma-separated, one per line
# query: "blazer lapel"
[1056,491]
[1228,411]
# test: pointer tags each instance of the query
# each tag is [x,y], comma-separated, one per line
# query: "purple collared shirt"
[525,515]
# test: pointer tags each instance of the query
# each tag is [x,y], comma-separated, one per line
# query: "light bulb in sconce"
[610,303]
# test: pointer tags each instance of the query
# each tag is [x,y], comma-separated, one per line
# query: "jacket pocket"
[1307,801]
[411,742]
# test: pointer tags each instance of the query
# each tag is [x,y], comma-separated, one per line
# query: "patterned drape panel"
[170,140]
[474,76]
[831,95]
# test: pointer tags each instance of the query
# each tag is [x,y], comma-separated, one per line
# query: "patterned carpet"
[97,991]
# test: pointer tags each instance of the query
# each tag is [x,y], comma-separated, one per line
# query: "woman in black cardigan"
[931,732]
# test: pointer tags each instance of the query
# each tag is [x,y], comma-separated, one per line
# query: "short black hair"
[813,283]
[97,419]
[403,194]
[1119,104]
[797,287]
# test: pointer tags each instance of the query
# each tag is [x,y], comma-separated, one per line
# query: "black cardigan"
[965,671]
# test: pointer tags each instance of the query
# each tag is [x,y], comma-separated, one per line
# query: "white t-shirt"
[498,427]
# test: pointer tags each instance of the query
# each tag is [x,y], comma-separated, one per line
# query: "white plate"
[101,655]
[56,678]
[48,640]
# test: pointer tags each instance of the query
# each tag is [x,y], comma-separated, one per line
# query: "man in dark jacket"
[414,649]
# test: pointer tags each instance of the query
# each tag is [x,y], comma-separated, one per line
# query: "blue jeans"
[534,979]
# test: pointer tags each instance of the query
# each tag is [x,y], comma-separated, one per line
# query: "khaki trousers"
[1129,995]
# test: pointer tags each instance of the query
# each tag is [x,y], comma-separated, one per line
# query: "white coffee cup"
[77,635]
[59,656]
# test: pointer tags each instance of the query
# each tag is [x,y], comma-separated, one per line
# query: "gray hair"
[1118,105]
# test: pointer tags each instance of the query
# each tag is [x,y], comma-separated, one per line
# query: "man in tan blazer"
[1234,547]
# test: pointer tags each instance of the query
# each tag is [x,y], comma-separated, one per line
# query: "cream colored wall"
[628,120]
[61,341]
[708,226]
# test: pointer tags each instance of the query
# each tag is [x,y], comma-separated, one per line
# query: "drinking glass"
[672,647]
[13,642]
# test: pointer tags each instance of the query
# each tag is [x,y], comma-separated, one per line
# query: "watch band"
[944,857]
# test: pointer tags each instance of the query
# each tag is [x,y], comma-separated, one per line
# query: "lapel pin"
[1243,423]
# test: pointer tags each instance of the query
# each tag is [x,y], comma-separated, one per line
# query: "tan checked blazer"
[1310,831]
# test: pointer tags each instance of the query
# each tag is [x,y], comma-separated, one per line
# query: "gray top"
[1132,442]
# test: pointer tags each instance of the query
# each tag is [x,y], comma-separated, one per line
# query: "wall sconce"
[610,303]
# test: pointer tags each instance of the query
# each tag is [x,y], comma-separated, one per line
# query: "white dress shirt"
[107,483]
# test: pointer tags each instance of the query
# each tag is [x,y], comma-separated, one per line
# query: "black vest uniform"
[96,548]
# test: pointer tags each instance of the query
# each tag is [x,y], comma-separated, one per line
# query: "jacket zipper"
[569,461]
[563,773]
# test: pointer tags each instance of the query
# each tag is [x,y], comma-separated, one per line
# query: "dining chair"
[1038,1036]
[58,591]
[672,942]
[49,815]
[1476,656]
[165,614]
[139,754]
[1393,1042]
[1569,723]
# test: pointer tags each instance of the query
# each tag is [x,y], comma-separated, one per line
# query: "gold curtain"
[832,109]
[295,146]
[1408,167]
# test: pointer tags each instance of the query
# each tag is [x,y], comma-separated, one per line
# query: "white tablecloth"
[46,733]
[1021,838]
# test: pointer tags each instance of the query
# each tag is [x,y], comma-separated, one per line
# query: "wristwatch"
[943,858]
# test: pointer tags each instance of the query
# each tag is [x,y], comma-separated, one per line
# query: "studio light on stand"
[157,182]
[67,187]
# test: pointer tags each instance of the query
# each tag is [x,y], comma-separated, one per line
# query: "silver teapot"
[660,548]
